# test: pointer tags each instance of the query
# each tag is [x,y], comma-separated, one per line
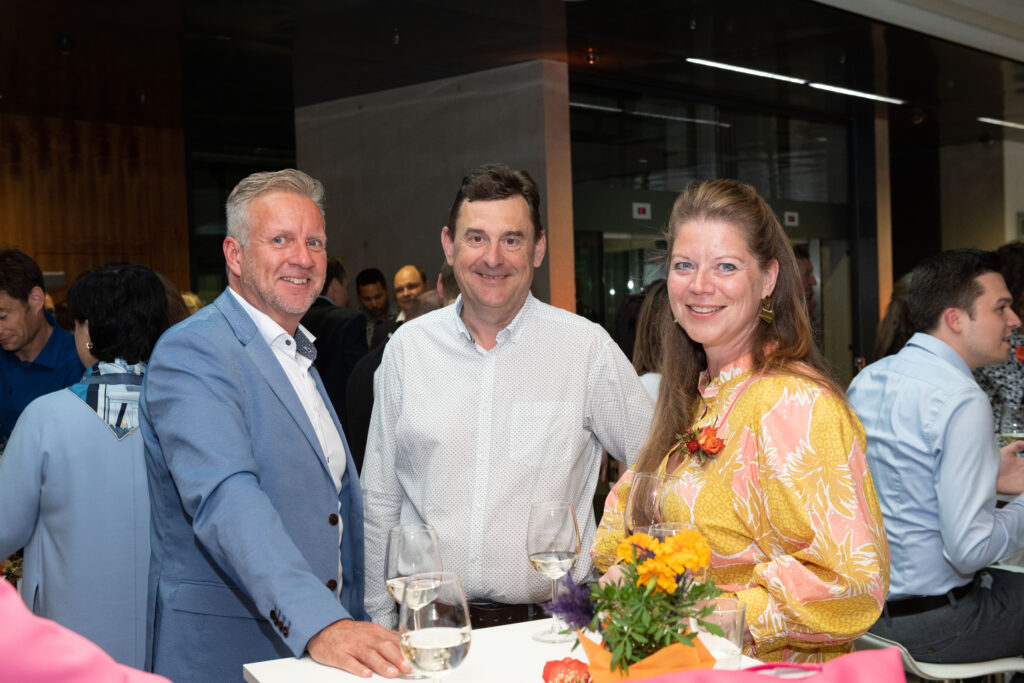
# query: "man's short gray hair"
[257,184]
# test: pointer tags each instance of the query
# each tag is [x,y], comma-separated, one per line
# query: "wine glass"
[644,507]
[552,546]
[412,549]
[1011,423]
[433,623]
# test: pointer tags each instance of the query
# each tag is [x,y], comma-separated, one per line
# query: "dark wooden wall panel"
[92,153]
[76,194]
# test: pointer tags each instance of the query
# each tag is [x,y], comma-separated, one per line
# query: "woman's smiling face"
[715,288]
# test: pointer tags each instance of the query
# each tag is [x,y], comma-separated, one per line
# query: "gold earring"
[766,314]
[88,345]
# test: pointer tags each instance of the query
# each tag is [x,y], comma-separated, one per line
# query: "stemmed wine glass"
[412,549]
[552,546]
[433,623]
[644,507]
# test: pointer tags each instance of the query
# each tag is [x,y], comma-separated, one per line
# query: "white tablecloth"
[501,654]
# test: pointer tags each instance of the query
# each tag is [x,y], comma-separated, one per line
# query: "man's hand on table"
[359,647]
[1011,469]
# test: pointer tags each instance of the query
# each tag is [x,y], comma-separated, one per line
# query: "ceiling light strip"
[856,93]
[652,115]
[1000,122]
[744,70]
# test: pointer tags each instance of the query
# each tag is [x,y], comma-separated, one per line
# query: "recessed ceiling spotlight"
[745,70]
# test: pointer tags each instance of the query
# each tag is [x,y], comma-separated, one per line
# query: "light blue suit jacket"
[244,523]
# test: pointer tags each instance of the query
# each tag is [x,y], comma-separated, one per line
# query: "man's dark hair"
[19,274]
[423,276]
[449,284]
[371,276]
[335,271]
[947,280]
[126,307]
[497,181]
[801,251]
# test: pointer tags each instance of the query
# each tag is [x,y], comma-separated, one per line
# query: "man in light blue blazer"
[257,515]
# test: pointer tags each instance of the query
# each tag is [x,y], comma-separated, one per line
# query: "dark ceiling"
[248,64]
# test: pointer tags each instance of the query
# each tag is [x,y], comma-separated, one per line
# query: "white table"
[500,654]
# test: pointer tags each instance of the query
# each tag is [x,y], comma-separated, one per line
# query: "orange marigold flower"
[655,568]
[646,546]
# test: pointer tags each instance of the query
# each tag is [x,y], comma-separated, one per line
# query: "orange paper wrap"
[676,657]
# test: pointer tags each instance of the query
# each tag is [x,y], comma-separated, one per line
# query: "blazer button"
[285,631]
[273,616]
[332,584]
[333,519]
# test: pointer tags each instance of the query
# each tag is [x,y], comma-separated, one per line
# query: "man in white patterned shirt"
[491,404]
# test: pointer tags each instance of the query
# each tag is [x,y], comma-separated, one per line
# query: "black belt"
[484,614]
[926,603]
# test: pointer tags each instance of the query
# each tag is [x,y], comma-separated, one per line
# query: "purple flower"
[571,604]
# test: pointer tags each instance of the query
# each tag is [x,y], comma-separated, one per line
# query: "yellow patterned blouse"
[789,509]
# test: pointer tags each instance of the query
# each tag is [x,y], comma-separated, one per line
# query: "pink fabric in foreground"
[42,651]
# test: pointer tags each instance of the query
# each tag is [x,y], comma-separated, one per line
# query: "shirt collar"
[709,386]
[510,332]
[49,355]
[939,348]
[275,335]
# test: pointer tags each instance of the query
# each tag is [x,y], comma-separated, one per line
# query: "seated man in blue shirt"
[38,356]
[937,468]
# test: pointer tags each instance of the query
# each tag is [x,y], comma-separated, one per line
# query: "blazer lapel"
[269,367]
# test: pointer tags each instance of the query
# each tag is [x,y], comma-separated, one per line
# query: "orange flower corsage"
[703,444]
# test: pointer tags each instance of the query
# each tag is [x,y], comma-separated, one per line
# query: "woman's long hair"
[896,327]
[647,347]
[786,345]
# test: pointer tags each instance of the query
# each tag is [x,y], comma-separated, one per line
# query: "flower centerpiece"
[645,614]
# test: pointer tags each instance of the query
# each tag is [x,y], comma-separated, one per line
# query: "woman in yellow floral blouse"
[771,459]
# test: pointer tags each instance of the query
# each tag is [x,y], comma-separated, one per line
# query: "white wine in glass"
[433,623]
[552,546]
[412,549]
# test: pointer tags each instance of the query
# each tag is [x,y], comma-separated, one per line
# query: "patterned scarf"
[112,391]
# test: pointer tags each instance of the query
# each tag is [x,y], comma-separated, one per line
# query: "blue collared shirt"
[57,366]
[934,464]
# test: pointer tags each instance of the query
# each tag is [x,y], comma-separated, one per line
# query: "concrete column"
[392,162]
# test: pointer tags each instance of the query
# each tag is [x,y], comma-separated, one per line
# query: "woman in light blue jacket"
[73,488]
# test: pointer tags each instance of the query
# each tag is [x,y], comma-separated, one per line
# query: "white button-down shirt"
[296,367]
[465,439]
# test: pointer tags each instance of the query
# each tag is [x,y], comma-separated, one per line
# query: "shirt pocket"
[543,434]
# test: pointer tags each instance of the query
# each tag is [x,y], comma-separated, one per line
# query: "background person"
[73,488]
[654,315]
[340,336]
[409,282]
[896,326]
[781,489]
[37,355]
[938,469]
[1003,383]
[372,289]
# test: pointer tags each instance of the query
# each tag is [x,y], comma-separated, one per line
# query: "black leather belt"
[484,614]
[925,603]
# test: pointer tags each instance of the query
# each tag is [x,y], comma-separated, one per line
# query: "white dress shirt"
[465,439]
[296,367]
